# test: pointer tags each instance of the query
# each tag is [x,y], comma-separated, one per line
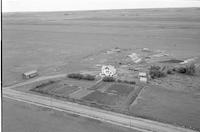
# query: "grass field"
[22,117]
[55,42]
[171,106]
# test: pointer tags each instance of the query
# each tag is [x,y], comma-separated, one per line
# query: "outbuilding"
[143,77]
[142,74]
[30,74]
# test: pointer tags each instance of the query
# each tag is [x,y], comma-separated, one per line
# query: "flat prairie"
[55,42]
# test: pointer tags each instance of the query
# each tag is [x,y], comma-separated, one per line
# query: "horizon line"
[146,8]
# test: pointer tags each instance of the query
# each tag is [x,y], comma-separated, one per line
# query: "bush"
[108,79]
[188,69]
[130,82]
[89,77]
[75,75]
[156,72]
[169,71]
[181,70]
[119,81]
[45,84]
[191,69]
[155,68]
[126,81]
[81,76]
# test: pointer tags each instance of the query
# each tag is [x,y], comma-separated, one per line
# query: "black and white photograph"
[100,65]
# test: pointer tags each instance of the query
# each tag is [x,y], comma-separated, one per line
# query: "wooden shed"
[30,74]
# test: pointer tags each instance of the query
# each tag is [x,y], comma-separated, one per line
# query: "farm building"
[143,77]
[142,74]
[30,74]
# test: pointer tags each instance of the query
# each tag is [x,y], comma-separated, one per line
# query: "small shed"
[142,74]
[143,77]
[30,74]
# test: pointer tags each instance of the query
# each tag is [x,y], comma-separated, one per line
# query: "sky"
[68,5]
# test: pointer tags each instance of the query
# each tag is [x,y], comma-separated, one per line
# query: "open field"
[180,108]
[23,117]
[55,42]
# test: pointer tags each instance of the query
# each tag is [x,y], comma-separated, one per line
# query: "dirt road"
[37,80]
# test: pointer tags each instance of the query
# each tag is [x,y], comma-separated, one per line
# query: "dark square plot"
[58,88]
[120,89]
[101,98]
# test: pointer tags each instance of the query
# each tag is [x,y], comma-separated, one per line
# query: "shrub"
[155,68]
[89,77]
[81,76]
[132,82]
[181,70]
[169,71]
[45,84]
[75,75]
[174,69]
[156,72]
[188,69]
[108,79]
[129,82]
[119,81]
[126,81]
